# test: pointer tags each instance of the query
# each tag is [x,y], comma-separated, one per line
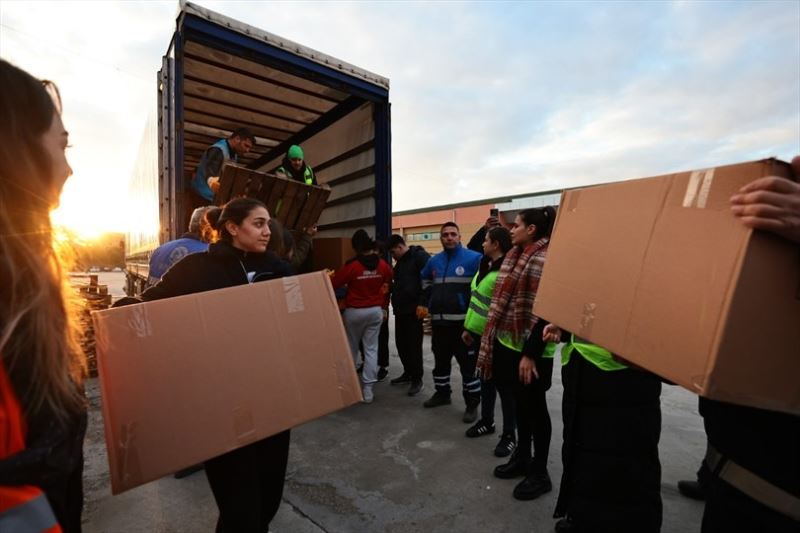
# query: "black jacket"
[221,266]
[407,286]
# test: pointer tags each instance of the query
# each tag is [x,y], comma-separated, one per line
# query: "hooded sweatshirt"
[368,279]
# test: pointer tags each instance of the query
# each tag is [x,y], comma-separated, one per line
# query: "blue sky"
[487,98]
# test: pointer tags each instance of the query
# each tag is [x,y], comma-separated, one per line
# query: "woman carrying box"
[248,482]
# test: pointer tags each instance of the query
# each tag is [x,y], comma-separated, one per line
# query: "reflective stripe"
[752,485]
[448,316]
[33,516]
[426,283]
[452,279]
[479,310]
[487,301]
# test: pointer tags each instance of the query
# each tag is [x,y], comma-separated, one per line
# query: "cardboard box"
[189,378]
[659,271]
[331,252]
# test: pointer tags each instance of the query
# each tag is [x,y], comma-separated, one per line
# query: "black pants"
[408,338]
[447,344]
[767,443]
[530,404]
[248,484]
[383,345]
[612,424]
[489,392]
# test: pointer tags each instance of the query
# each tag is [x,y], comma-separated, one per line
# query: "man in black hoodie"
[405,296]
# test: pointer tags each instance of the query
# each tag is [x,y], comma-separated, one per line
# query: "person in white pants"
[368,279]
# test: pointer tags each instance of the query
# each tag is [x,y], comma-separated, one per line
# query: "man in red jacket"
[368,278]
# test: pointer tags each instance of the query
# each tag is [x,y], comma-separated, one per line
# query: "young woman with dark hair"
[247,483]
[496,243]
[42,405]
[511,350]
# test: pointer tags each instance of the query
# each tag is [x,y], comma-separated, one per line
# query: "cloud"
[487,98]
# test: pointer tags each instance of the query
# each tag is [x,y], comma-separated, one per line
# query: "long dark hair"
[544,218]
[234,211]
[38,335]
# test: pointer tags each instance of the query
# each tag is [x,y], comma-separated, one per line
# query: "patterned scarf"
[511,310]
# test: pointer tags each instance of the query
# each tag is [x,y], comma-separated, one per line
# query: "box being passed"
[188,378]
[659,271]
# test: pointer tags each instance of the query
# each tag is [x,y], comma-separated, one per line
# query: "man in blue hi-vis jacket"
[446,282]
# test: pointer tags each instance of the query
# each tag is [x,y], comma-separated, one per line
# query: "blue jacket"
[170,253]
[446,285]
[200,180]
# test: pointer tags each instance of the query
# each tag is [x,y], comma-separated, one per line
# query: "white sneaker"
[366,390]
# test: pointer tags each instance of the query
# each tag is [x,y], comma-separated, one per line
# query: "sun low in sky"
[488,98]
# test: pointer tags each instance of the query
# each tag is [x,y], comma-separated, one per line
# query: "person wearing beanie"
[294,167]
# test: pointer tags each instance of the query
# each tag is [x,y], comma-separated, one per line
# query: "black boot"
[438,398]
[533,486]
[515,467]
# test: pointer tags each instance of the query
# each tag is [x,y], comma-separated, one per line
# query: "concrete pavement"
[391,467]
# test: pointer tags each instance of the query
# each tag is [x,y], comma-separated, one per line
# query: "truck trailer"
[220,74]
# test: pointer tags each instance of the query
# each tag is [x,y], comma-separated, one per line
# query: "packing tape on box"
[587,318]
[699,188]
[294,294]
[130,469]
[243,426]
[572,200]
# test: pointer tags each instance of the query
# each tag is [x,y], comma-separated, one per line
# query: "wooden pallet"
[296,205]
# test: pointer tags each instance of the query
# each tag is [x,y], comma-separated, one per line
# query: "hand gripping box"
[189,378]
[660,272]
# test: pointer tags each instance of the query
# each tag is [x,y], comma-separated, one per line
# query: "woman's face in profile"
[55,141]
[253,234]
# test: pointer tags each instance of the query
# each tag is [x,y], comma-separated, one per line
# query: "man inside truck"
[294,167]
[206,176]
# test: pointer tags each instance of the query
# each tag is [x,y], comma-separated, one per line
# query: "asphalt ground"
[391,466]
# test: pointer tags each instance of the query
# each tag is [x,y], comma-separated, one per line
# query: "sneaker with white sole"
[367,392]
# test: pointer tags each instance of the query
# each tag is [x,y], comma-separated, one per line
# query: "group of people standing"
[481,307]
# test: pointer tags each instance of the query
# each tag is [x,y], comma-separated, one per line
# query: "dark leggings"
[533,425]
[488,396]
[248,484]
[530,404]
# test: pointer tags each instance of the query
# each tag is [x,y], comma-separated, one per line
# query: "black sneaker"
[382,373]
[480,429]
[401,379]
[533,486]
[506,446]
[416,386]
[438,398]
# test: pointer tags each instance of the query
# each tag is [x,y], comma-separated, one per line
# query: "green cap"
[295,152]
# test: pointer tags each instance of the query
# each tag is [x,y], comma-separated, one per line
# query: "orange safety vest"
[23,508]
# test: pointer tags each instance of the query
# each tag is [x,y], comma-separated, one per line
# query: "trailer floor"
[392,467]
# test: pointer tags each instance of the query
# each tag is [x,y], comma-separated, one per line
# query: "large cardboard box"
[659,271]
[189,378]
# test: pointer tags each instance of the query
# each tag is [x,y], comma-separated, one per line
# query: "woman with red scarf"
[511,350]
